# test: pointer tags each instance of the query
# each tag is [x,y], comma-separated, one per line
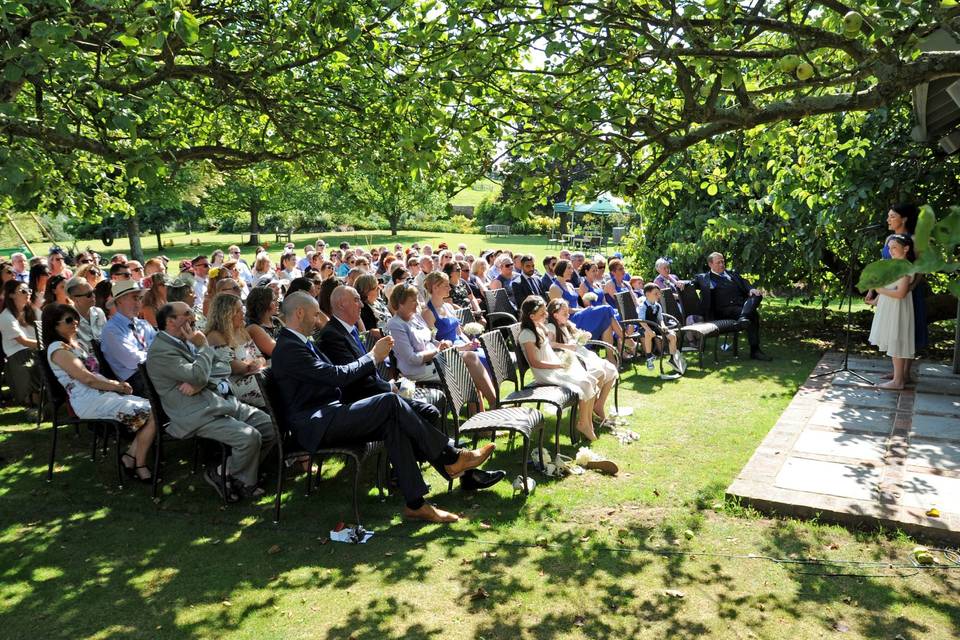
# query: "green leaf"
[186,26]
[448,89]
[883,272]
[925,222]
[954,288]
[127,40]
[712,189]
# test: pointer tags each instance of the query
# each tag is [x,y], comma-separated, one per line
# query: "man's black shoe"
[476,479]
[760,355]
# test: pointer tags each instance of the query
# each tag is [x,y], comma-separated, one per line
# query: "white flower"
[583,337]
[590,297]
[585,455]
[473,329]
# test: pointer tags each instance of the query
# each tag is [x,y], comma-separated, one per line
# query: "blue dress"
[449,329]
[596,318]
[616,287]
[921,335]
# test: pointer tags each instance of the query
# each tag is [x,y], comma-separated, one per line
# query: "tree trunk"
[254,224]
[394,223]
[159,241]
[133,234]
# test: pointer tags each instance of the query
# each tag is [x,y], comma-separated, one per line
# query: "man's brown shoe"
[469,460]
[429,513]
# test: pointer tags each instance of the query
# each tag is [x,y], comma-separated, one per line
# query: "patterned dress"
[94,404]
[244,386]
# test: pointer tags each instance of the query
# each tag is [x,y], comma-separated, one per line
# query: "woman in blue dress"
[599,318]
[617,282]
[902,219]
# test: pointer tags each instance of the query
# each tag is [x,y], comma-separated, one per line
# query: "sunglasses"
[88,294]
[24,291]
[94,272]
[86,261]
[203,265]
[124,274]
[69,321]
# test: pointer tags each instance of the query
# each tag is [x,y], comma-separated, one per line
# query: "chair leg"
[93,448]
[53,451]
[574,413]
[223,471]
[281,472]
[156,463]
[310,472]
[119,457]
[526,455]
[381,463]
[356,492]
[556,439]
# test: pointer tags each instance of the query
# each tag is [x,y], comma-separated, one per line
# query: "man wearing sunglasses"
[243,269]
[126,337]
[92,318]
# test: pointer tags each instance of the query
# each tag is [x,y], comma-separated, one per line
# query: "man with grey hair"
[310,392]
[92,317]
[190,377]
[576,261]
[725,294]
[426,266]
[21,272]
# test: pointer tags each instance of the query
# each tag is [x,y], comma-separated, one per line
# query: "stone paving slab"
[848,452]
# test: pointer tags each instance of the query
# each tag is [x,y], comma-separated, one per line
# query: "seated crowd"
[325,322]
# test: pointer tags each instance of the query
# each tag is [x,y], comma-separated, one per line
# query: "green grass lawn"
[208,241]
[584,557]
[478,192]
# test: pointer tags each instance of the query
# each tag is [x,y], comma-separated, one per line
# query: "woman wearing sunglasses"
[92,396]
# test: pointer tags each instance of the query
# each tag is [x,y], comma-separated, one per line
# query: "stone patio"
[847,452]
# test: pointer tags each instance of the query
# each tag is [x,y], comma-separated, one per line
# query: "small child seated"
[652,315]
[636,283]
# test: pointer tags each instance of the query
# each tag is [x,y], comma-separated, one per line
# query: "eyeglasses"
[235,253]
[24,291]
[94,272]
[69,320]
[88,294]
[86,261]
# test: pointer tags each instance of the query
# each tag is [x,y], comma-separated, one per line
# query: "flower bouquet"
[583,337]
[472,329]
[590,297]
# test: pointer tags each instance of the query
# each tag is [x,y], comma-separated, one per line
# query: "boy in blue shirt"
[651,313]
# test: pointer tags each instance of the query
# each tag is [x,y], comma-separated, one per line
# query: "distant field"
[480,191]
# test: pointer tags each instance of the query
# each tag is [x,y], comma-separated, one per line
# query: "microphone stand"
[845,367]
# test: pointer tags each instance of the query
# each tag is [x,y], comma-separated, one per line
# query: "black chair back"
[274,408]
[38,327]
[458,386]
[670,305]
[690,299]
[158,413]
[627,305]
[55,391]
[105,370]
[498,301]
[522,365]
[502,367]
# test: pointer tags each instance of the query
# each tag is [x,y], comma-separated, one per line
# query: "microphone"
[870,227]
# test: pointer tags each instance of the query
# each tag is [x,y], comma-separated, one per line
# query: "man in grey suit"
[190,379]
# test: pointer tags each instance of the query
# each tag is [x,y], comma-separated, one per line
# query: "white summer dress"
[892,329]
[573,377]
[94,404]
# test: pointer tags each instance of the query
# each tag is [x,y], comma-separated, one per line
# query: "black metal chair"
[499,310]
[59,403]
[41,356]
[701,331]
[503,368]
[630,314]
[287,441]
[163,421]
[461,391]
[105,367]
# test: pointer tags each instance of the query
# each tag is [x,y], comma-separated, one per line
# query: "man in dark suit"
[309,386]
[528,282]
[340,342]
[725,294]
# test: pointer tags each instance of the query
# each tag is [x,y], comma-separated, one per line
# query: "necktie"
[534,285]
[312,347]
[356,338]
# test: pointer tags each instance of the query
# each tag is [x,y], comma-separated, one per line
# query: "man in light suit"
[190,379]
[340,342]
[310,386]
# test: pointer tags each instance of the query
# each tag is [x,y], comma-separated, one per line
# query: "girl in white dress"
[892,329]
[93,396]
[563,334]
[549,368]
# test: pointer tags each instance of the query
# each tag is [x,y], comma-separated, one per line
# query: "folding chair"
[286,441]
[503,368]
[461,391]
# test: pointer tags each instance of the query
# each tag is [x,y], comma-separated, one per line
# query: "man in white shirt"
[20,271]
[92,317]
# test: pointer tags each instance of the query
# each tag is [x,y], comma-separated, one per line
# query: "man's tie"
[356,338]
[312,348]
[534,285]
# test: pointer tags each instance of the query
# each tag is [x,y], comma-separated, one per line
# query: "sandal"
[589,459]
[131,470]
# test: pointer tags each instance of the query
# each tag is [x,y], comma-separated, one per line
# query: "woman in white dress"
[550,368]
[19,339]
[229,337]
[892,329]
[91,395]
[563,334]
